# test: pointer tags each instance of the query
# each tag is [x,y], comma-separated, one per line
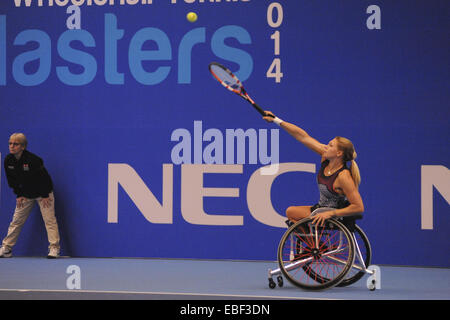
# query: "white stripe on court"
[187,294]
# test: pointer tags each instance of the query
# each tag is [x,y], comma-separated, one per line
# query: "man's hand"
[20,201]
[46,202]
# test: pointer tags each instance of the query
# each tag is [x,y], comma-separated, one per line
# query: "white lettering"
[240,136]
[148,205]
[194,310]
[279,9]
[74,280]
[258,193]
[63,3]
[181,152]
[235,139]
[73,21]
[439,178]
[373,21]
[193,192]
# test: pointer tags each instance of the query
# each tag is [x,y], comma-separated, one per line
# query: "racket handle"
[261,111]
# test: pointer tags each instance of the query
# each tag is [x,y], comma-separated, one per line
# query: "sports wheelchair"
[316,257]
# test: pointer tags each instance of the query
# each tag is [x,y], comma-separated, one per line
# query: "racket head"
[226,78]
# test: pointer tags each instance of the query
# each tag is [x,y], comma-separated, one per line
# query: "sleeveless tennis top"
[329,197]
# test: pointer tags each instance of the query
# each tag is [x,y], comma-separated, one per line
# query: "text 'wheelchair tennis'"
[315,257]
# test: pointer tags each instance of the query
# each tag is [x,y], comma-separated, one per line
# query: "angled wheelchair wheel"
[362,246]
[316,258]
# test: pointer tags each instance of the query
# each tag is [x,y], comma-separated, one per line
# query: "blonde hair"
[21,137]
[346,146]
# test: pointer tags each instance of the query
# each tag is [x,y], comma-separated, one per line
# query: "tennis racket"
[232,83]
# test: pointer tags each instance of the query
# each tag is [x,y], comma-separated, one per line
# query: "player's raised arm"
[298,133]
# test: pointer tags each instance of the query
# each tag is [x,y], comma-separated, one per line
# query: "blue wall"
[102,106]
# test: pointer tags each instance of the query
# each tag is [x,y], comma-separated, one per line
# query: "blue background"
[387,90]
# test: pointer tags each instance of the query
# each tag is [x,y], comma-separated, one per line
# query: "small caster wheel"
[372,286]
[280,281]
[272,284]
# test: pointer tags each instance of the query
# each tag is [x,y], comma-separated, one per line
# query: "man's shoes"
[5,253]
[53,253]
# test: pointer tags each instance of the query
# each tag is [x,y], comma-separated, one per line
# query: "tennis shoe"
[5,253]
[53,253]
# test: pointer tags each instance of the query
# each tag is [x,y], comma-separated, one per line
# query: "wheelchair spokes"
[314,257]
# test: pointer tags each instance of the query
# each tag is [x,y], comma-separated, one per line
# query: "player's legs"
[296,213]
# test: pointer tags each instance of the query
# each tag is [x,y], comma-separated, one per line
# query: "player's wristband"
[277,121]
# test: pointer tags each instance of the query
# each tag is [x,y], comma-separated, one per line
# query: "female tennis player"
[338,184]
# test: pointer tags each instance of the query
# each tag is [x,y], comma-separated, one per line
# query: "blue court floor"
[172,279]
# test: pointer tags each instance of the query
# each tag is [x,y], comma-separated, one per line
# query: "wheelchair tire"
[366,252]
[316,258]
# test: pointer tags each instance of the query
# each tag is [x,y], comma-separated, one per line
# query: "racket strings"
[227,79]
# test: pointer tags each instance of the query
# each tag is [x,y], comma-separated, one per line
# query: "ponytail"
[348,149]
[354,169]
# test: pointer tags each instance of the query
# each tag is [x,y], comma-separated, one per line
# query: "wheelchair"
[316,257]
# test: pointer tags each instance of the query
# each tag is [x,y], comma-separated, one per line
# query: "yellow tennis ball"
[191,16]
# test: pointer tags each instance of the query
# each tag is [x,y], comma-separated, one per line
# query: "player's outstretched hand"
[269,116]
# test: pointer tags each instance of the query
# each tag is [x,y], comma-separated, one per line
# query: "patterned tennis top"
[329,197]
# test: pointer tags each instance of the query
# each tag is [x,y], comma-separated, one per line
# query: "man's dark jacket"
[27,176]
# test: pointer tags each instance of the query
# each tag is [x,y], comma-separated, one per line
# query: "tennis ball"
[191,16]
